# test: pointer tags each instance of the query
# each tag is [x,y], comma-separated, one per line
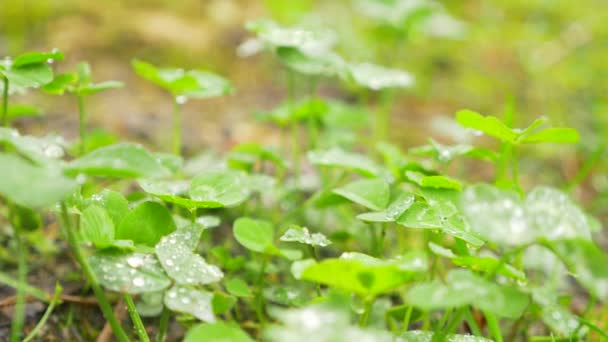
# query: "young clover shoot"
[182,85]
[80,85]
[29,70]
[511,138]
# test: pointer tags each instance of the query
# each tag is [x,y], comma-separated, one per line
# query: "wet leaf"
[129,272]
[303,235]
[219,188]
[395,209]
[197,303]
[489,125]
[239,288]
[114,203]
[434,182]
[175,252]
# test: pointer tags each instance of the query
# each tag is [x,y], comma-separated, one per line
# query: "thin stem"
[5,103]
[259,307]
[56,300]
[19,314]
[177,129]
[163,324]
[407,317]
[493,326]
[472,323]
[83,124]
[104,304]
[457,318]
[295,148]
[369,304]
[139,325]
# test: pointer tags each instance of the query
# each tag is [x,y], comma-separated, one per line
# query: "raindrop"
[135,261]
[181,99]
[139,281]
[169,263]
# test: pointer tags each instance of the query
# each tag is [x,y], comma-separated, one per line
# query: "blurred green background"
[550,56]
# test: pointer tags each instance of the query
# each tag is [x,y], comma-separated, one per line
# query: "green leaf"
[121,161]
[395,209]
[465,288]
[445,154]
[220,188]
[434,182]
[303,235]
[32,186]
[197,303]
[250,153]
[93,88]
[30,58]
[488,264]
[321,64]
[20,110]
[587,263]
[61,83]
[255,235]
[553,135]
[191,84]
[42,151]
[29,76]
[376,77]
[237,287]
[364,276]
[129,272]
[97,226]
[420,215]
[114,203]
[218,332]
[222,303]
[307,41]
[338,158]
[175,252]
[146,224]
[502,217]
[371,193]
[489,125]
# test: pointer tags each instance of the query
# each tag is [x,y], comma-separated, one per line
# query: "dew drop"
[135,261]
[139,281]
[181,99]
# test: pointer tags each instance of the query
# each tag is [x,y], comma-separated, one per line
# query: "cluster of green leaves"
[395,242]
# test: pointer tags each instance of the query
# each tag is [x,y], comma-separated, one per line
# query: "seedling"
[80,85]
[182,85]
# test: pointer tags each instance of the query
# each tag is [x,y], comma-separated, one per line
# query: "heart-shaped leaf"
[120,160]
[32,186]
[373,194]
[97,226]
[129,272]
[220,188]
[146,224]
[255,235]
[197,303]
[179,261]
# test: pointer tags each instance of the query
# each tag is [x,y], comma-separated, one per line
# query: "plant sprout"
[79,84]
[182,85]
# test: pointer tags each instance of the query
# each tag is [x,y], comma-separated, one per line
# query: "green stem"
[104,304]
[47,313]
[493,326]
[369,304]
[5,103]
[259,307]
[139,325]
[163,325]
[83,124]
[407,317]
[295,148]
[457,318]
[472,323]
[177,129]
[19,314]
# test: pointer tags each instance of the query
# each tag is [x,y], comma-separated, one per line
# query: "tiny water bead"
[181,99]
